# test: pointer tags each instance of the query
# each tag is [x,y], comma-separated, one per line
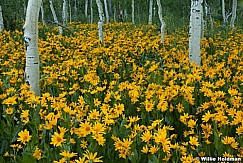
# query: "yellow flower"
[80,160]
[37,153]
[16,146]
[99,138]
[6,154]
[119,108]
[153,149]
[24,136]
[24,114]
[206,117]
[92,157]
[94,114]
[146,136]
[9,111]
[83,144]
[72,141]
[180,107]
[96,102]
[57,139]
[149,105]
[145,149]
[62,130]
[68,154]
[85,128]
[191,123]
[194,141]
[10,101]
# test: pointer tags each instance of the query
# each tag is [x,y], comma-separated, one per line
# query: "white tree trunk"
[100,23]
[42,14]
[223,12]
[75,10]
[234,7]
[162,29]
[30,28]
[125,14]
[106,11]
[133,22]
[208,14]
[154,11]
[110,7]
[70,11]
[150,11]
[114,13]
[91,12]
[86,8]
[1,19]
[64,12]
[55,17]
[195,31]
[202,22]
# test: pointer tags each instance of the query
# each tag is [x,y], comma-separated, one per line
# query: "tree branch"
[51,22]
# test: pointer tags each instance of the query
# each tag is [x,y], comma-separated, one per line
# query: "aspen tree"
[162,28]
[55,17]
[42,14]
[208,14]
[133,21]
[86,8]
[234,7]
[32,74]
[195,31]
[91,11]
[70,11]
[100,23]
[223,12]
[150,11]
[106,12]
[75,10]
[64,13]
[1,19]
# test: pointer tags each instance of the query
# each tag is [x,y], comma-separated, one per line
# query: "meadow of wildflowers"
[130,99]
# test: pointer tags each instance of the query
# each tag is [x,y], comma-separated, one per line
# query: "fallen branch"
[61,26]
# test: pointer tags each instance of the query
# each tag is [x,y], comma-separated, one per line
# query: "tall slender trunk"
[125,14]
[91,12]
[133,12]
[110,7]
[64,12]
[101,17]
[208,14]
[55,17]
[86,8]
[42,14]
[1,19]
[162,29]
[202,22]
[106,11]
[114,14]
[223,12]
[234,7]
[70,11]
[32,74]
[150,11]
[195,31]
[75,10]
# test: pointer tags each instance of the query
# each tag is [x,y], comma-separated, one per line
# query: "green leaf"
[1,160]
[153,159]
[27,158]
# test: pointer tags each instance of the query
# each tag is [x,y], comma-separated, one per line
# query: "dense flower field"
[130,99]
